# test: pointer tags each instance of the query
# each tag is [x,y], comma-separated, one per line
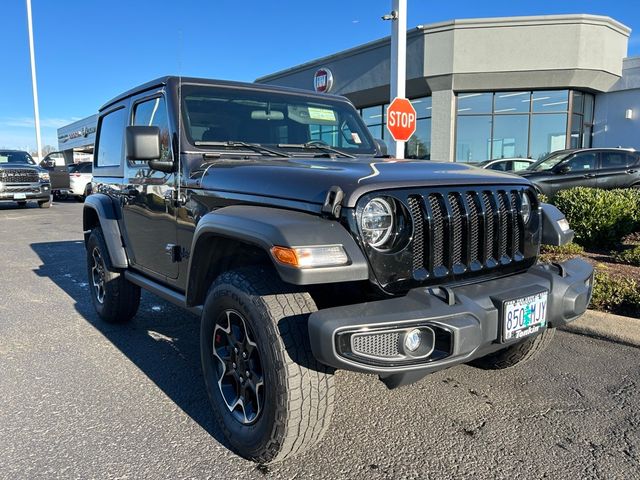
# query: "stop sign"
[401,119]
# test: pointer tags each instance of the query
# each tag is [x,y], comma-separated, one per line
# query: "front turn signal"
[310,257]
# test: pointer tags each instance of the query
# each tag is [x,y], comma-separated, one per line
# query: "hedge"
[600,218]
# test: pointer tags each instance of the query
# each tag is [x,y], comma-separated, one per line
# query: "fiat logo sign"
[323,80]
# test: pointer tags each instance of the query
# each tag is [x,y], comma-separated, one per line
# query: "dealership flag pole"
[36,112]
[398,58]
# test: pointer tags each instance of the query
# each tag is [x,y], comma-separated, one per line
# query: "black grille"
[19,175]
[460,231]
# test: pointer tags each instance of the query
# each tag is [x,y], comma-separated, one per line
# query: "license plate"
[524,316]
[19,196]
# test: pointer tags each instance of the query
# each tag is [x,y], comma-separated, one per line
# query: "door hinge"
[176,252]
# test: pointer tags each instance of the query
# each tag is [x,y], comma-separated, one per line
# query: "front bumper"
[17,192]
[465,319]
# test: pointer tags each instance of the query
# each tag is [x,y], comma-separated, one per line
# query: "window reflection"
[521,124]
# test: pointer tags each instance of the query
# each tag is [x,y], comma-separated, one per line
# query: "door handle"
[631,170]
[589,175]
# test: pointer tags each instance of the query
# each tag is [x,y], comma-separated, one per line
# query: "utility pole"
[34,84]
[398,80]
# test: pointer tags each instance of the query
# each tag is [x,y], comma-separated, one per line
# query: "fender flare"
[264,227]
[108,216]
[552,232]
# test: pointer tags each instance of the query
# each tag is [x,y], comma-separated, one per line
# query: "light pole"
[398,17]
[34,84]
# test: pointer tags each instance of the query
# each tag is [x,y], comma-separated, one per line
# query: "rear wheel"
[271,397]
[114,297]
[516,354]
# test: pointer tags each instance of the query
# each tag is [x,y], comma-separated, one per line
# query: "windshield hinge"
[333,202]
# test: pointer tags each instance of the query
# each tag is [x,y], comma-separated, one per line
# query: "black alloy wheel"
[239,369]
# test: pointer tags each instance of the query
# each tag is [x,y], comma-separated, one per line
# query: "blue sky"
[88,51]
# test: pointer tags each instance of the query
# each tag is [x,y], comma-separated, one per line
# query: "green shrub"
[551,253]
[600,218]
[615,294]
[630,256]
[543,198]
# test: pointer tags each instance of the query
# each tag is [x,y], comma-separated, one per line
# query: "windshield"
[285,122]
[548,162]
[15,157]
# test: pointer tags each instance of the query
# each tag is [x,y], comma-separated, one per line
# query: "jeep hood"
[309,179]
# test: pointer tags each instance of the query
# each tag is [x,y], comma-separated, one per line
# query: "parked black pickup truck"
[275,216]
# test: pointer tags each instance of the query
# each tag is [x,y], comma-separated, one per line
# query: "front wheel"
[271,397]
[516,354]
[44,203]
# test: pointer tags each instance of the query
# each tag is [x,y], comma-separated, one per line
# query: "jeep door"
[148,212]
[618,169]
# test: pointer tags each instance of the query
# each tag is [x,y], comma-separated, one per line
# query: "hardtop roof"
[172,80]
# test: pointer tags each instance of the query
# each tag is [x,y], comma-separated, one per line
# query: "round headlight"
[377,222]
[526,207]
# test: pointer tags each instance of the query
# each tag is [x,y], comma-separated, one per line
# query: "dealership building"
[496,87]
[486,88]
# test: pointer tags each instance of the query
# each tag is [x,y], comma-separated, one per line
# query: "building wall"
[611,128]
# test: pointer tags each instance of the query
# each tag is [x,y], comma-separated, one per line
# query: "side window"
[86,168]
[519,165]
[110,138]
[615,160]
[582,161]
[153,113]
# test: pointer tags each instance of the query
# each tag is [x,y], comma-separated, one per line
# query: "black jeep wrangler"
[274,215]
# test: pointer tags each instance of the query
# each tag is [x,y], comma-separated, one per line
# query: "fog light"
[412,340]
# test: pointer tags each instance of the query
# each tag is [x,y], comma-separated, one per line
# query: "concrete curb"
[615,328]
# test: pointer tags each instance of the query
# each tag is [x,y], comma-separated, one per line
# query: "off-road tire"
[516,354]
[121,297]
[298,391]
[44,203]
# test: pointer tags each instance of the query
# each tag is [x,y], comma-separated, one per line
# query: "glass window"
[550,101]
[615,160]
[153,113]
[510,136]
[422,106]
[512,102]
[520,165]
[473,138]
[376,131]
[588,108]
[372,115]
[419,145]
[578,102]
[576,130]
[503,166]
[214,114]
[470,103]
[548,134]
[111,138]
[581,162]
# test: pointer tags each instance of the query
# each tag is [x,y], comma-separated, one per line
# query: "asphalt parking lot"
[83,399]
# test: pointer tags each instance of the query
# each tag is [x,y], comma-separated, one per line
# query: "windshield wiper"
[315,144]
[253,146]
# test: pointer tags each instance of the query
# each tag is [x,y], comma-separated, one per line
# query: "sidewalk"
[608,326]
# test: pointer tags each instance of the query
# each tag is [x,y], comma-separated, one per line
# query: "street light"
[34,84]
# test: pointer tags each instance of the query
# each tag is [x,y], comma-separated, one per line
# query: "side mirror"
[563,169]
[381,146]
[143,143]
